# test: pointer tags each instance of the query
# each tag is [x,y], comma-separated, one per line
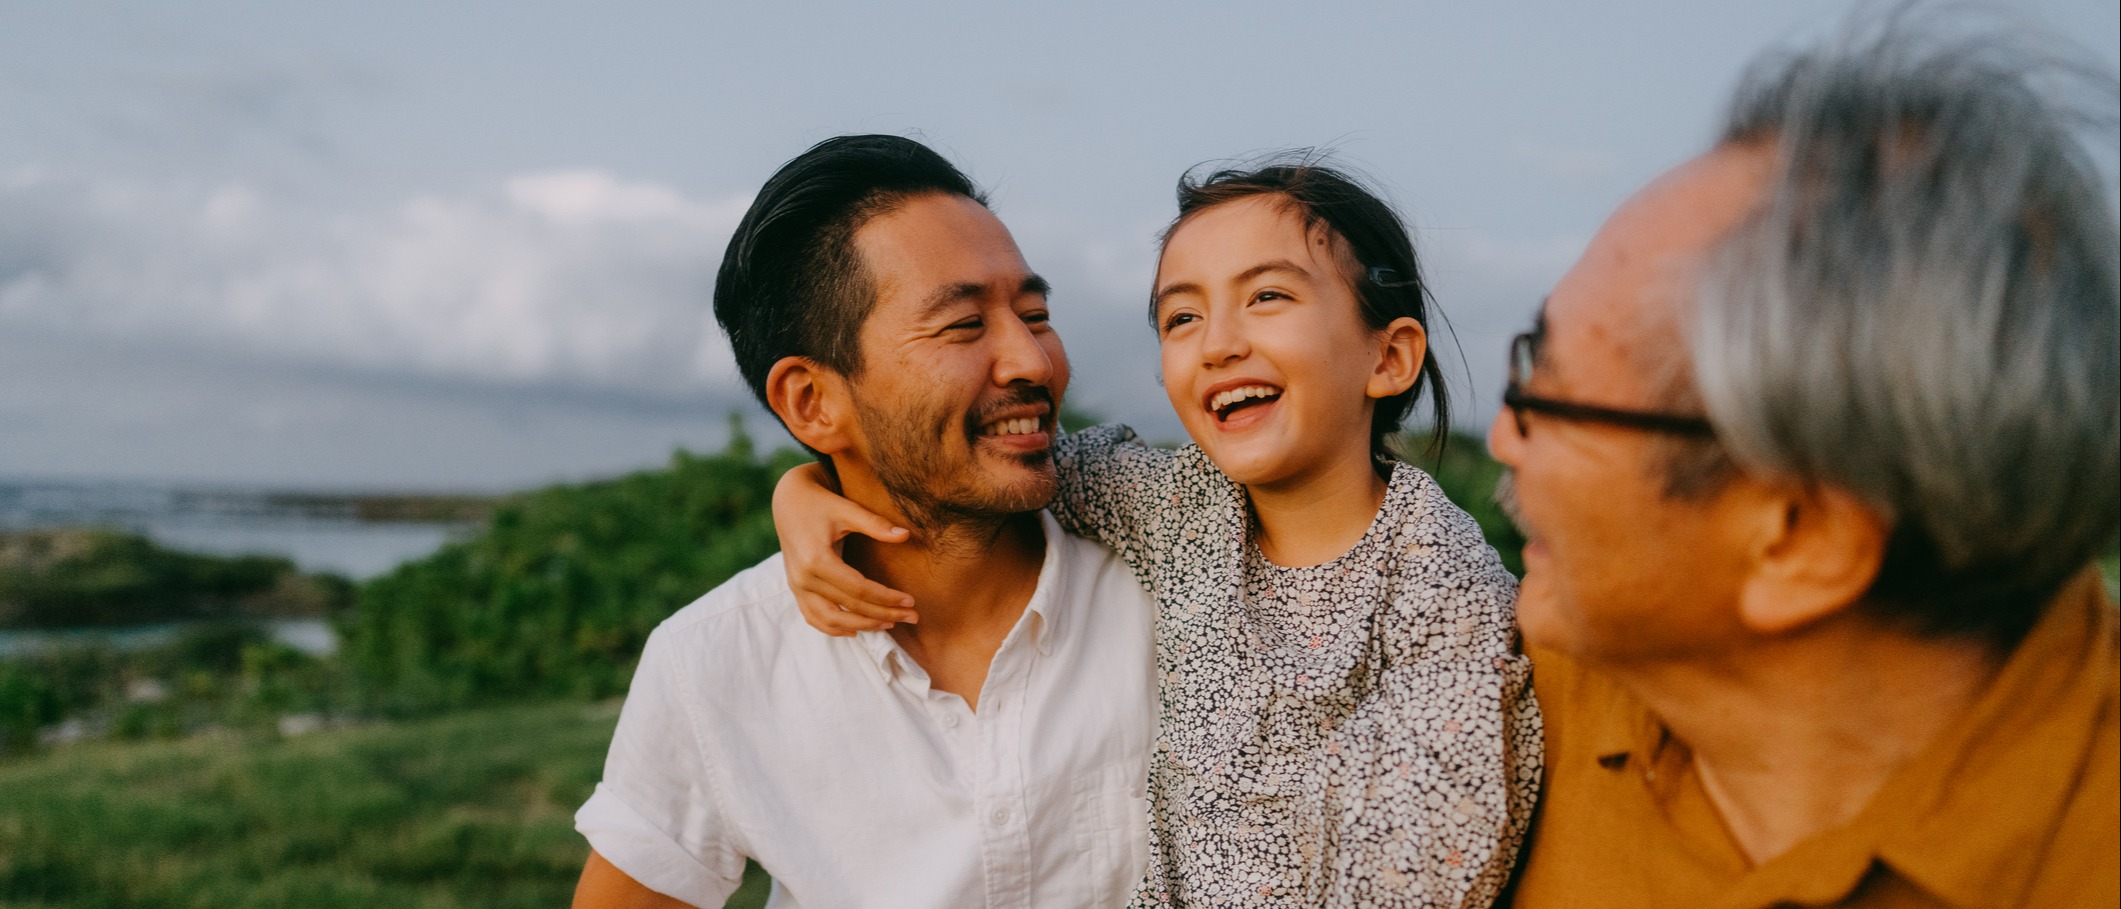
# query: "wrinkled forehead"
[931,243]
[1614,324]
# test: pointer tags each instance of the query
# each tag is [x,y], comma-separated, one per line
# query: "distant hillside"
[559,592]
[99,577]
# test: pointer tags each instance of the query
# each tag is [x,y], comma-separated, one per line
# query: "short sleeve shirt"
[831,761]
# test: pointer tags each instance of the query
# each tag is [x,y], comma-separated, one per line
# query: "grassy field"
[470,810]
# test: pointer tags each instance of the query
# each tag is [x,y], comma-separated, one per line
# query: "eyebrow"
[1539,335]
[1274,265]
[950,294]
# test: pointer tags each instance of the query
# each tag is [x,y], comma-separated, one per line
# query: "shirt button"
[1001,816]
[949,721]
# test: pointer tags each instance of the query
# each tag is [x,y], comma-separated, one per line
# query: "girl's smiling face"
[1266,357]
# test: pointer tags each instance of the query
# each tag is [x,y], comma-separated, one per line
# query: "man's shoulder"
[1578,704]
[752,602]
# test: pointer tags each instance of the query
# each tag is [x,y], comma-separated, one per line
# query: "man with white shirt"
[990,755]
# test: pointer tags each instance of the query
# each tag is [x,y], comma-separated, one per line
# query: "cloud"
[556,278]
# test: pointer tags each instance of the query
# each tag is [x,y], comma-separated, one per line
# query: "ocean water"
[319,533]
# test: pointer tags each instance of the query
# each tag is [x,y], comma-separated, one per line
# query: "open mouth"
[1018,426]
[1231,401]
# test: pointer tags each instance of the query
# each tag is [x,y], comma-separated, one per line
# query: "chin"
[1244,467]
[1019,490]
[1536,618]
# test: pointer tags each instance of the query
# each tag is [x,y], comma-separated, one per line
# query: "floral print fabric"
[1357,733]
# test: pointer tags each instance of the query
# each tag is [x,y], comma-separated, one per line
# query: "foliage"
[558,595]
[226,675]
[472,810]
[100,577]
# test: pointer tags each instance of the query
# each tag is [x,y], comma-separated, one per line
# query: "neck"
[972,576]
[1317,517]
[1795,736]
[963,575]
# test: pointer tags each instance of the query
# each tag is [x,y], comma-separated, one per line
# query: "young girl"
[1344,717]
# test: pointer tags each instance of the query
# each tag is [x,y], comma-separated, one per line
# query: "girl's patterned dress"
[1357,733]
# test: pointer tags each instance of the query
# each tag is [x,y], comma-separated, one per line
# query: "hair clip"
[1383,276]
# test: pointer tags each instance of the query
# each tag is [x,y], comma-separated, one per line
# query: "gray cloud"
[568,277]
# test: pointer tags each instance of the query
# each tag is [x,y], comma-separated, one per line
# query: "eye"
[1269,295]
[972,324]
[1038,317]
[1177,319]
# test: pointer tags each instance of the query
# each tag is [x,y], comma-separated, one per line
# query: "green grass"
[469,810]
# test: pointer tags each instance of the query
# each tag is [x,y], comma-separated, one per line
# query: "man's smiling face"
[1616,569]
[961,375]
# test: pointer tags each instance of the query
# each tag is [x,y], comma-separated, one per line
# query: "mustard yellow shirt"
[2016,804]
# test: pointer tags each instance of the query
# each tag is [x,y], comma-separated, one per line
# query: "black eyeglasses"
[1524,350]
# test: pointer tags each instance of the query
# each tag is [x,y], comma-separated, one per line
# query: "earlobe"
[1402,347]
[1817,554]
[811,399]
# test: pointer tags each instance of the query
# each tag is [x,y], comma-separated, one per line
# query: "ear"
[1816,552]
[1402,347]
[812,400]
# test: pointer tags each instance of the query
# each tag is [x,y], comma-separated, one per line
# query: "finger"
[825,616]
[849,518]
[843,585]
[867,599]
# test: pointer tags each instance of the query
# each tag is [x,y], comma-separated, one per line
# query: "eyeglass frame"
[1524,350]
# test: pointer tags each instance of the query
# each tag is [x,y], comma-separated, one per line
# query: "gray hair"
[1923,311]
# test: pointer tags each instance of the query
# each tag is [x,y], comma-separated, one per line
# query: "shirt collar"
[2025,742]
[1963,817]
[1044,616]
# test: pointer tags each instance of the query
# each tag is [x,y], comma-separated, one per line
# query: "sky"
[471,246]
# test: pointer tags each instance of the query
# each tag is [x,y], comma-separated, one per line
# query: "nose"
[1223,340]
[1504,441]
[1018,355]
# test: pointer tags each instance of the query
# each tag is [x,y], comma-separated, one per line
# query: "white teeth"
[1231,396]
[1016,427]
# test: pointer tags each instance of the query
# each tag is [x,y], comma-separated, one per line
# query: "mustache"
[1506,499]
[1016,396]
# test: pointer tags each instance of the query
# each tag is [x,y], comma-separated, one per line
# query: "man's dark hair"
[792,284]
[1381,264]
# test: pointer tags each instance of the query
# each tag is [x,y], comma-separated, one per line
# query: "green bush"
[93,576]
[557,596]
[230,675]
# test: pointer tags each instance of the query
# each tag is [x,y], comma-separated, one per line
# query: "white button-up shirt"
[833,763]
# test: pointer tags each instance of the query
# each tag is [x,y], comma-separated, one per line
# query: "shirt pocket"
[1112,827]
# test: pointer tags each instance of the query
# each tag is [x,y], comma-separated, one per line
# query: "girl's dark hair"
[1387,277]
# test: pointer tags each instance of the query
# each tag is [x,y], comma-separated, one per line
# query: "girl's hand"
[812,518]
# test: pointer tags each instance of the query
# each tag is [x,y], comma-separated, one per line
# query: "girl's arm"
[1111,486]
[1110,483]
[812,518]
[1447,749]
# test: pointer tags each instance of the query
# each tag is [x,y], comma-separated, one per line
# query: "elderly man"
[1812,449]
[990,755]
